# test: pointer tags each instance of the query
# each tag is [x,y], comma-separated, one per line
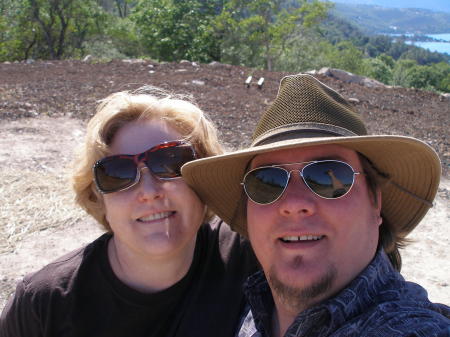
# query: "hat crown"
[305,107]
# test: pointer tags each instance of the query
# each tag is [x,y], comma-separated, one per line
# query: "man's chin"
[299,298]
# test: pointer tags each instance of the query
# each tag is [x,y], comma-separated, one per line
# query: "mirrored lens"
[166,163]
[113,174]
[265,185]
[329,179]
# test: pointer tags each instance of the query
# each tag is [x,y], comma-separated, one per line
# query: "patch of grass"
[33,201]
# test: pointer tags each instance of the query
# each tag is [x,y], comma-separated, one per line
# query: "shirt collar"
[360,294]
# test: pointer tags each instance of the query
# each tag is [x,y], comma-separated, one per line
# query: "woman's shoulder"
[217,229]
[60,273]
[232,247]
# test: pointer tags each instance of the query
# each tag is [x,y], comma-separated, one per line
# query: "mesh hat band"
[301,130]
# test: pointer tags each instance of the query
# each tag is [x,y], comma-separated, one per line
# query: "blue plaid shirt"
[378,303]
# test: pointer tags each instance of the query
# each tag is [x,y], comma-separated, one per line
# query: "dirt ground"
[44,107]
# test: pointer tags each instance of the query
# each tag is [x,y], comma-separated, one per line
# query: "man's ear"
[378,202]
[379,199]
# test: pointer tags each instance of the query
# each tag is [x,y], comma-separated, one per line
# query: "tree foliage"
[50,29]
[256,32]
[177,29]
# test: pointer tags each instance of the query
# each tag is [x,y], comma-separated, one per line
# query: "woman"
[157,271]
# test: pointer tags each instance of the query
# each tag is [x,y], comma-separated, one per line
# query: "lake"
[441,47]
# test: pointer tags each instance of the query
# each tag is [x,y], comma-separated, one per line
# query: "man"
[326,208]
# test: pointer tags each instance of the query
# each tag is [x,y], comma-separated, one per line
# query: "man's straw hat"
[306,112]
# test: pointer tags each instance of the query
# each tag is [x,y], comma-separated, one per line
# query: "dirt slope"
[72,88]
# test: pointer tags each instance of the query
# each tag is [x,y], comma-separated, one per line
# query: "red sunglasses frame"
[137,159]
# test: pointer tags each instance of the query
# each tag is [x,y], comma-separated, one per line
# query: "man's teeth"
[301,238]
[156,216]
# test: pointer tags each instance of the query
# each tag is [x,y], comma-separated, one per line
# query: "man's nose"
[297,199]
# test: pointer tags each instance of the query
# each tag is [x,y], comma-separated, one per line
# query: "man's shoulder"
[404,317]
[402,308]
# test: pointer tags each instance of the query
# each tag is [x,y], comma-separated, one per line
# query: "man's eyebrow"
[333,157]
[330,157]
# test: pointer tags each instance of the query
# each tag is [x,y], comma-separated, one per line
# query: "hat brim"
[412,164]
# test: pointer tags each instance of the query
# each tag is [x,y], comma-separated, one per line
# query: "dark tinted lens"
[329,179]
[113,174]
[166,162]
[266,184]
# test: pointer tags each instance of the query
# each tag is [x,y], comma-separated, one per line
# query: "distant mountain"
[376,19]
[434,5]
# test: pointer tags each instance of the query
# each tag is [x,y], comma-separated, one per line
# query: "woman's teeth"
[156,216]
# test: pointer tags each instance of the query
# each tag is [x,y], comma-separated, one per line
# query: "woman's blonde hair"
[121,108]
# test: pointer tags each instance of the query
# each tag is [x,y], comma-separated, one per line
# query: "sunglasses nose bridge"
[139,170]
[141,158]
[300,176]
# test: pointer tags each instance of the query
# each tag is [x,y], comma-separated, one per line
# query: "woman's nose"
[149,186]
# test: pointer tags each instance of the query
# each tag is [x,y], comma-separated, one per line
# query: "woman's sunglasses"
[119,172]
[329,179]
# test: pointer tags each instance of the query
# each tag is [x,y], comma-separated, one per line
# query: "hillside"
[434,5]
[377,19]
[71,88]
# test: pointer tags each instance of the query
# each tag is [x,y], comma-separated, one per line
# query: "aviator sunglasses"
[120,172]
[329,179]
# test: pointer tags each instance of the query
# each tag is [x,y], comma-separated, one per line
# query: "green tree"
[18,35]
[123,37]
[378,44]
[377,69]
[256,32]
[444,84]
[177,29]
[48,29]
[347,57]
[400,73]
[305,51]
[442,74]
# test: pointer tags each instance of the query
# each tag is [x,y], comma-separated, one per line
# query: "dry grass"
[33,201]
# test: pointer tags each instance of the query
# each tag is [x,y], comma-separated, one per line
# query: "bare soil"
[44,107]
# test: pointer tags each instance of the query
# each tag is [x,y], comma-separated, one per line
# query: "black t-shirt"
[79,295]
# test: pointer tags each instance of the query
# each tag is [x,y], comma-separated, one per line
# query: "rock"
[353,100]
[248,81]
[132,61]
[184,61]
[215,64]
[30,61]
[198,82]
[87,58]
[371,83]
[444,97]
[312,72]
[261,83]
[324,71]
[348,77]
